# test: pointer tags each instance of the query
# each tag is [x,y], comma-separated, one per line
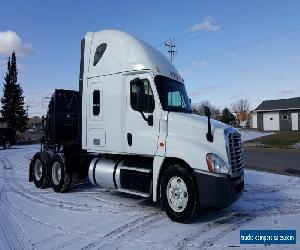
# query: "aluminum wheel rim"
[38,170]
[56,173]
[177,194]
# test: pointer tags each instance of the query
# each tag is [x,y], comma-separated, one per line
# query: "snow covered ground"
[89,217]
[248,135]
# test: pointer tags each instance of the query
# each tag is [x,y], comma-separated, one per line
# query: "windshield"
[172,95]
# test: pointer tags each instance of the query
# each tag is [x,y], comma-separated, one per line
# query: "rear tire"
[178,194]
[40,165]
[61,179]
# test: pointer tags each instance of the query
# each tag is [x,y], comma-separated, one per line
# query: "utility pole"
[45,98]
[27,109]
[171,50]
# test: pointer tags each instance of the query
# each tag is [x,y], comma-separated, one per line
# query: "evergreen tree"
[227,116]
[13,112]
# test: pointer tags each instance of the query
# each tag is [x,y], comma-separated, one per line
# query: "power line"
[220,29]
[225,27]
[247,44]
[222,21]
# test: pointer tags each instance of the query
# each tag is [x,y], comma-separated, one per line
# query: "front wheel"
[178,194]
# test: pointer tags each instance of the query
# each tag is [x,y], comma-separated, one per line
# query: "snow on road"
[248,135]
[91,218]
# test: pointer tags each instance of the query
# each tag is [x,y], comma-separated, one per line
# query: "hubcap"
[177,194]
[56,173]
[38,170]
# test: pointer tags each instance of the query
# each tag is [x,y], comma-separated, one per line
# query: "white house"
[275,115]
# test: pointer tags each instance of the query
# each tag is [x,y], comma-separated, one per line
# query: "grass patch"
[284,139]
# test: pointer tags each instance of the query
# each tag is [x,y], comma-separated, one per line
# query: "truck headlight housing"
[216,164]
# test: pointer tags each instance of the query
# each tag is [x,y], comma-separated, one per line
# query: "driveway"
[283,161]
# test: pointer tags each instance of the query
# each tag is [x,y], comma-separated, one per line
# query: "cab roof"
[114,51]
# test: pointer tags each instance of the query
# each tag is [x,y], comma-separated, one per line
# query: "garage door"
[254,120]
[271,121]
[295,121]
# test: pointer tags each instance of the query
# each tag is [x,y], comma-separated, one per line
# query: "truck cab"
[137,126]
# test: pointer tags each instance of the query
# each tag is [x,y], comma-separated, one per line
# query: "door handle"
[129,139]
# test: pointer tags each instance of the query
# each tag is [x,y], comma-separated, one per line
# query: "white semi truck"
[130,128]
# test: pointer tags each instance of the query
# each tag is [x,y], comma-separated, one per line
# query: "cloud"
[10,41]
[208,24]
[286,92]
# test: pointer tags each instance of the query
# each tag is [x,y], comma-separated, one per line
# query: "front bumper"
[218,190]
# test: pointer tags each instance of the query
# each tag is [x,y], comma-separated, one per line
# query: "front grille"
[235,153]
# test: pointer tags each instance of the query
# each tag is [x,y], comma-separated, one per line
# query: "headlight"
[216,164]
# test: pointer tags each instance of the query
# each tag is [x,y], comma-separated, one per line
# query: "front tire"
[178,194]
[61,179]
[40,164]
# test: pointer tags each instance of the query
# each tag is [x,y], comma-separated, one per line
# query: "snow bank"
[248,135]
[91,218]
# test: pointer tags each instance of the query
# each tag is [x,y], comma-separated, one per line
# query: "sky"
[226,50]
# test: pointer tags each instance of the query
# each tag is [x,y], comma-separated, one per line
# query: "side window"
[96,102]
[99,53]
[141,96]
[175,99]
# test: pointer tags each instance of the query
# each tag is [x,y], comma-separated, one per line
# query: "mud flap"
[30,172]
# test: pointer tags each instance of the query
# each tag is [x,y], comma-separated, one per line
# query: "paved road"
[284,161]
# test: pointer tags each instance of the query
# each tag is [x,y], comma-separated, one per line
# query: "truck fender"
[159,165]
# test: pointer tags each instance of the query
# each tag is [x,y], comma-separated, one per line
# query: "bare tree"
[31,121]
[198,108]
[240,106]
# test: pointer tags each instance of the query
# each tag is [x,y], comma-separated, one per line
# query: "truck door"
[142,123]
[96,138]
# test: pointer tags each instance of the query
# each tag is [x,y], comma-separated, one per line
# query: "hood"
[198,122]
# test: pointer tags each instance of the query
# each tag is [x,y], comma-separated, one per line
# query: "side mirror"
[140,106]
[150,120]
[209,135]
